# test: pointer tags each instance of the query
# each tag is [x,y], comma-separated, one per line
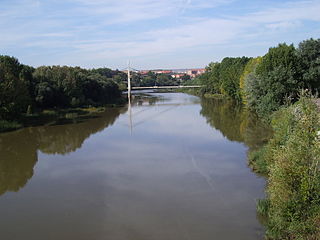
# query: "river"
[171,167]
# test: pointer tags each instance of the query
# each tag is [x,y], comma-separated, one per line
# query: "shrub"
[292,159]
[257,161]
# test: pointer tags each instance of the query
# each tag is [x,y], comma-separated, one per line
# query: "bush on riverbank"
[257,161]
[291,159]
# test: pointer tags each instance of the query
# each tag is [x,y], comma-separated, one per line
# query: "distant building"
[195,72]
[144,72]
[157,71]
[162,71]
[176,73]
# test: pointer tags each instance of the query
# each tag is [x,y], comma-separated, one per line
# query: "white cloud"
[206,32]
[128,11]
[96,30]
[284,25]
[303,10]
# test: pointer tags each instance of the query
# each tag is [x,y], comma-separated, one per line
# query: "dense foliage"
[67,86]
[23,88]
[291,160]
[266,83]
[14,94]
[277,78]
[309,56]
[224,77]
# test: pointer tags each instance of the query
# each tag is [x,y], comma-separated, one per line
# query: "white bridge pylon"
[129,88]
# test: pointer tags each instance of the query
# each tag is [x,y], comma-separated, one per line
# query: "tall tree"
[309,55]
[278,78]
[247,79]
[14,96]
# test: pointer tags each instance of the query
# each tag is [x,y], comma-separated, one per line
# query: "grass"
[257,161]
[263,206]
[214,95]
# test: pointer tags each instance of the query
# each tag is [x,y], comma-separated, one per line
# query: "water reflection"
[63,139]
[174,178]
[18,150]
[18,155]
[235,122]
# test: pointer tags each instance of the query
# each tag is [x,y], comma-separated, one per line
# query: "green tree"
[231,70]
[148,81]
[309,55]
[224,78]
[210,80]
[278,77]
[14,96]
[72,86]
[164,80]
[246,79]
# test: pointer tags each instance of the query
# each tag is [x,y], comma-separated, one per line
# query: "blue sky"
[150,33]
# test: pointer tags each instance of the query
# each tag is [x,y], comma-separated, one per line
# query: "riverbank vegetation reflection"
[19,149]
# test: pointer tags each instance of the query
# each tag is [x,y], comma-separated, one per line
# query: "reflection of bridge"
[167,107]
[141,88]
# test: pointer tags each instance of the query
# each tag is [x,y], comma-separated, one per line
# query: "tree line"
[265,83]
[291,161]
[24,88]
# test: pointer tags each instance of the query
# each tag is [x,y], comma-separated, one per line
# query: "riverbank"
[48,117]
[56,116]
[290,161]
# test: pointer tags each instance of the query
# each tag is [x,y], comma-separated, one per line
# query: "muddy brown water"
[171,167]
